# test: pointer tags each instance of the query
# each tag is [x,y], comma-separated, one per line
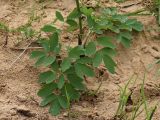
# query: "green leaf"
[91,22]
[120,18]
[126,35]
[49,60]
[114,29]
[90,49]
[40,61]
[109,63]
[76,52]
[105,38]
[48,100]
[37,54]
[86,11]
[71,70]
[58,49]
[47,90]
[72,23]
[84,60]
[130,22]
[55,108]
[74,14]
[61,82]
[45,44]
[76,81]
[63,102]
[66,64]
[53,41]
[125,27]
[108,51]
[125,39]
[97,59]
[106,42]
[126,42]
[55,66]
[71,92]
[110,11]
[49,28]
[82,69]
[59,16]
[47,77]
[45,61]
[138,26]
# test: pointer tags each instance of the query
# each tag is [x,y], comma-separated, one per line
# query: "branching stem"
[80,24]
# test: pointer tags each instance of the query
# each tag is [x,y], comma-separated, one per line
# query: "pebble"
[21,98]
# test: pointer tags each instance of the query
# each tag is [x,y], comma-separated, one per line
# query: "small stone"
[129,108]
[21,98]
[65,114]
[12,112]
[23,110]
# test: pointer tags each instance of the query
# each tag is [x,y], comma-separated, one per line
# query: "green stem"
[68,101]
[98,87]
[80,24]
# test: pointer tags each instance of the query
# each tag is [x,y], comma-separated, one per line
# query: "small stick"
[15,48]
[19,55]
[6,39]
[86,38]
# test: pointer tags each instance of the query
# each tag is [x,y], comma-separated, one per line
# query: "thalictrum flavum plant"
[63,81]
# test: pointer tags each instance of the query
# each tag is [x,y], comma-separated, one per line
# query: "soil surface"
[18,77]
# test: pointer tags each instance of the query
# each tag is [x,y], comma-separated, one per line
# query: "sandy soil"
[18,82]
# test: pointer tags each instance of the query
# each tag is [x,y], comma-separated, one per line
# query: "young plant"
[124,96]
[149,112]
[63,81]
[154,7]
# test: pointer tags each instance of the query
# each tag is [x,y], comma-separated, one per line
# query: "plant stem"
[80,24]
[68,101]
[98,87]
[159,12]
